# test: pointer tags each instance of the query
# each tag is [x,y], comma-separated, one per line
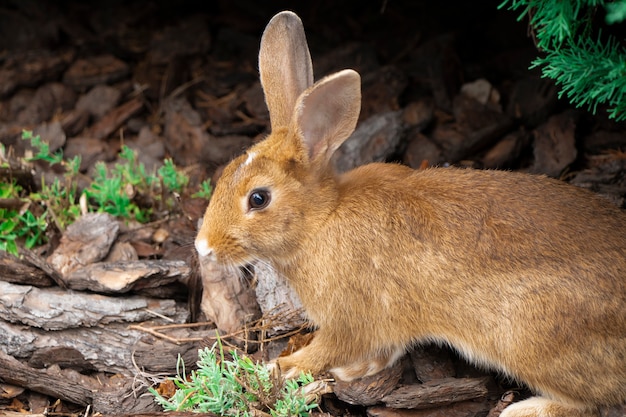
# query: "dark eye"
[259,199]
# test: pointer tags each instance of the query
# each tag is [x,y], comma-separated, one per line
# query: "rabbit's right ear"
[285,66]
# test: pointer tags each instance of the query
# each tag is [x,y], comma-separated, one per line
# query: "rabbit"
[520,273]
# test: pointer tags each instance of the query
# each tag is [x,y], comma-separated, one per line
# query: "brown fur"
[519,273]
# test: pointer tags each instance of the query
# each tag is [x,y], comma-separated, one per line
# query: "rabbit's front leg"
[346,362]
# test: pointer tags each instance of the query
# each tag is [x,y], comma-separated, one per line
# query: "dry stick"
[260,325]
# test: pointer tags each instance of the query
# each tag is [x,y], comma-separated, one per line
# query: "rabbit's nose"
[203,248]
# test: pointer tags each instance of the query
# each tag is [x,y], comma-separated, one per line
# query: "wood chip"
[437,393]
[372,389]
[86,241]
[88,72]
[555,144]
[114,119]
[123,276]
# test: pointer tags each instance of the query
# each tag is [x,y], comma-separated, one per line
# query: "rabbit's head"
[267,199]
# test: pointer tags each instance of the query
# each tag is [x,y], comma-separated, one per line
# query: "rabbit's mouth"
[231,257]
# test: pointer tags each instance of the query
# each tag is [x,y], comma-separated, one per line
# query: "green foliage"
[15,225]
[126,190]
[173,179]
[205,190]
[116,191]
[43,149]
[236,387]
[589,67]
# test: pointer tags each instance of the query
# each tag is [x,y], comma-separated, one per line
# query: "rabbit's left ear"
[284,65]
[326,114]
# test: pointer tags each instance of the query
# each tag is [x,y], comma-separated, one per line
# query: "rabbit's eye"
[259,199]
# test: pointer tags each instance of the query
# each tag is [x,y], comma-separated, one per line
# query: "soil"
[443,83]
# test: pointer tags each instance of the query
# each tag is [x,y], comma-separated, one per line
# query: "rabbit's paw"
[543,407]
[291,366]
[366,367]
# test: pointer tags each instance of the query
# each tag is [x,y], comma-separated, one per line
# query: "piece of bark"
[84,242]
[124,276]
[374,140]
[482,91]
[381,90]
[507,150]
[99,101]
[419,114]
[115,118]
[126,349]
[37,261]
[555,144]
[74,121]
[275,297]
[55,309]
[372,389]
[48,100]
[606,177]
[63,356]
[437,393]
[66,384]
[185,137]
[106,395]
[460,409]
[421,151]
[432,362]
[88,72]
[18,271]
[121,252]
[31,68]
[124,395]
[226,299]
[458,143]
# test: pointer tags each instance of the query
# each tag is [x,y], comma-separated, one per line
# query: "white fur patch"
[202,246]
[251,156]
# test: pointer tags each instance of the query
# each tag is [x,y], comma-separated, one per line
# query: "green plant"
[206,189]
[113,196]
[126,190]
[43,149]
[589,65]
[172,178]
[237,387]
[60,197]
[129,191]
[15,225]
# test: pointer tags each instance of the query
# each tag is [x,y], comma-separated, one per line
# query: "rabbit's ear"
[285,66]
[326,114]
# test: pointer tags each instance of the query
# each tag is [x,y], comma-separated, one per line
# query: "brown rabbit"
[519,273]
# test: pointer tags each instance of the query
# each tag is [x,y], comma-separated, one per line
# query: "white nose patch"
[202,246]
